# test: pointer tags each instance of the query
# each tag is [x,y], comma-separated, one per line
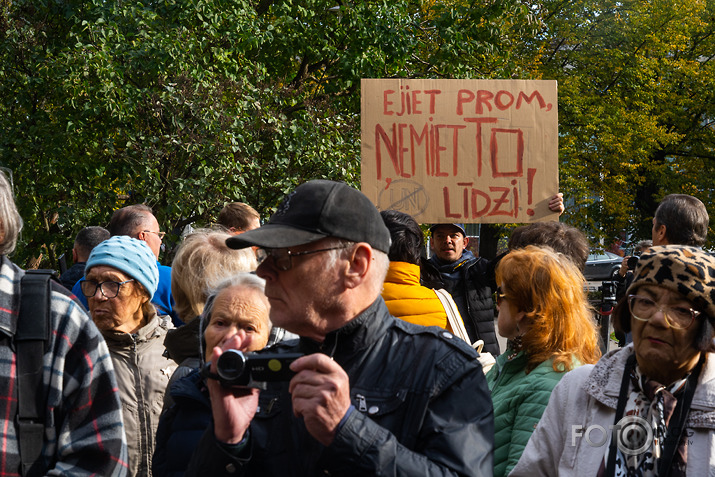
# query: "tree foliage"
[636,86]
[187,104]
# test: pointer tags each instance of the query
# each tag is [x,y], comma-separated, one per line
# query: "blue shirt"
[162,298]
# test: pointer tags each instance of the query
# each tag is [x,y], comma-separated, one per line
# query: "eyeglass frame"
[500,296]
[290,255]
[159,234]
[101,289]
[662,308]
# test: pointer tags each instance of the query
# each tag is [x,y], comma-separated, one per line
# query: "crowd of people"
[325,343]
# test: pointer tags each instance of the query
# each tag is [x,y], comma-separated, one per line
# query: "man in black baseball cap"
[372,394]
[469,279]
[319,209]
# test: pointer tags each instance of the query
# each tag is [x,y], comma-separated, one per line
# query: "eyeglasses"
[109,289]
[500,296]
[160,234]
[678,317]
[282,257]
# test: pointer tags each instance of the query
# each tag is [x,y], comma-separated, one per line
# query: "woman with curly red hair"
[545,316]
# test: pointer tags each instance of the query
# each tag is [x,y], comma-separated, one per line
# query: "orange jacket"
[408,300]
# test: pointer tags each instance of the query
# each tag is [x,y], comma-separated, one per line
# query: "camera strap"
[207,374]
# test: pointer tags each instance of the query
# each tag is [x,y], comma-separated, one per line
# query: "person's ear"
[660,234]
[466,241]
[360,261]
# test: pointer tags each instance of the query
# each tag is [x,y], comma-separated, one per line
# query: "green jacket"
[519,401]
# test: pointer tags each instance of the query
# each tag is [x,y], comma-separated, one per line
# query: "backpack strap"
[31,338]
[453,316]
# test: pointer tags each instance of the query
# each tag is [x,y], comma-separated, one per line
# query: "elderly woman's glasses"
[678,317]
[109,289]
[282,257]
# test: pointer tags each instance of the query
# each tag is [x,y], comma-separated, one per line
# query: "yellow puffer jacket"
[408,300]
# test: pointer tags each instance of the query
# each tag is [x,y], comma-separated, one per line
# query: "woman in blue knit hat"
[120,279]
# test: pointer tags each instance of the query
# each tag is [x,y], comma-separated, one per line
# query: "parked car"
[602,266]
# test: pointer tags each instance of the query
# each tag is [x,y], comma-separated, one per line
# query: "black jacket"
[181,426]
[472,292]
[421,407]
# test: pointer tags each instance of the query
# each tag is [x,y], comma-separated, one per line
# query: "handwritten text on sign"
[460,150]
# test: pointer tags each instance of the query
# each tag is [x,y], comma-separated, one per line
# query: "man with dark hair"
[138,221]
[561,237]
[469,279]
[86,240]
[404,296]
[406,236]
[77,426]
[371,395]
[680,219]
[238,217]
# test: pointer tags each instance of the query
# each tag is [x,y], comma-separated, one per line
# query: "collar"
[604,382]
[515,364]
[145,333]
[466,258]
[10,276]
[403,272]
[359,333]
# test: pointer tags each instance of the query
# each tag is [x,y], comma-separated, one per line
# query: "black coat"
[472,292]
[421,407]
[181,426]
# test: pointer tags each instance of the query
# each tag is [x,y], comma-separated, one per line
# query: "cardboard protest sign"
[461,150]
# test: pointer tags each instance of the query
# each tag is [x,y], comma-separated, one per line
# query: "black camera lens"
[632,262]
[230,365]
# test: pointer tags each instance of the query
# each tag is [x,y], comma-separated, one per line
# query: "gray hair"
[382,261]
[127,220]
[10,220]
[245,280]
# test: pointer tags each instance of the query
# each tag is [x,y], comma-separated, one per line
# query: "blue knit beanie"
[129,255]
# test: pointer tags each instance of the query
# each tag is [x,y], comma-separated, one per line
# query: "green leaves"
[635,93]
[188,104]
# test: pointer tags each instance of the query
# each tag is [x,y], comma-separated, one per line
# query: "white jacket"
[587,396]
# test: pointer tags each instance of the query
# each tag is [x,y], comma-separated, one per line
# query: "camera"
[608,293]
[632,262]
[254,370]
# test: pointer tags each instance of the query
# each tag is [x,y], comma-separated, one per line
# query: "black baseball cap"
[315,210]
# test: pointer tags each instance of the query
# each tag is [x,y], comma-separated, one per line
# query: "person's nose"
[658,318]
[231,332]
[98,295]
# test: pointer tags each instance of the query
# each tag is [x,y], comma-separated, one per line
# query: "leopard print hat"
[686,270]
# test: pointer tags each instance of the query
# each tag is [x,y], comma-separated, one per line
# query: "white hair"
[244,280]
[10,220]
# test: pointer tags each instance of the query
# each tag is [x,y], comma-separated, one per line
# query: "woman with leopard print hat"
[647,409]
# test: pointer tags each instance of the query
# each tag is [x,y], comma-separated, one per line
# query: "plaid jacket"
[84,434]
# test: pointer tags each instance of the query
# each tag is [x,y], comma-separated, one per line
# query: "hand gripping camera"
[254,370]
